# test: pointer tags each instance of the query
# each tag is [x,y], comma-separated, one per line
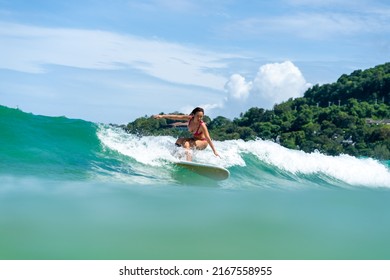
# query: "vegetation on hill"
[350,116]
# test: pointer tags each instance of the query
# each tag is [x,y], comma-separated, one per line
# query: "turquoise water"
[71,189]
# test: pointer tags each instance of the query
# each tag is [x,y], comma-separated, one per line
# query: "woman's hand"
[157,116]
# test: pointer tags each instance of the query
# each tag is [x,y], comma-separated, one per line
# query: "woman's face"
[199,116]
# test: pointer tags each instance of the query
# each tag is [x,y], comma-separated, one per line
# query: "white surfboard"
[208,170]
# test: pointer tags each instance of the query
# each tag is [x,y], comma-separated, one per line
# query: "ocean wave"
[160,150]
[68,149]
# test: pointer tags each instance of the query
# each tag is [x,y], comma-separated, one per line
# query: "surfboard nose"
[214,172]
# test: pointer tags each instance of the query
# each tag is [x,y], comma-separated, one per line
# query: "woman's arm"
[173,117]
[207,135]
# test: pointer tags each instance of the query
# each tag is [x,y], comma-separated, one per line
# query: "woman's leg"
[179,142]
[186,143]
[200,144]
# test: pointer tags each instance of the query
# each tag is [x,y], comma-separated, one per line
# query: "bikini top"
[196,133]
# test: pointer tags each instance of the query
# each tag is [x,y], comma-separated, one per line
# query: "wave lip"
[351,170]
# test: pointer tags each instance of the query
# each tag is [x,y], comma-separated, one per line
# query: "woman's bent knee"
[187,144]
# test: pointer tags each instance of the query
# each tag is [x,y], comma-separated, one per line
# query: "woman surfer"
[201,137]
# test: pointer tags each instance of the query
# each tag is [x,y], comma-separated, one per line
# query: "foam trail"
[147,150]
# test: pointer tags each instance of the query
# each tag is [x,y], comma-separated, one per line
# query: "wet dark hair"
[196,110]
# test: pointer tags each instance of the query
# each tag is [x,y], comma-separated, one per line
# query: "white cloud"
[314,25]
[208,108]
[274,83]
[277,82]
[238,88]
[103,69]
[30,49]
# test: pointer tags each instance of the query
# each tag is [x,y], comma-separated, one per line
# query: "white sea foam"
[351,170]
[147,149]
[155,151]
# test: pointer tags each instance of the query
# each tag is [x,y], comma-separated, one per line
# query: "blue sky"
[114,61]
